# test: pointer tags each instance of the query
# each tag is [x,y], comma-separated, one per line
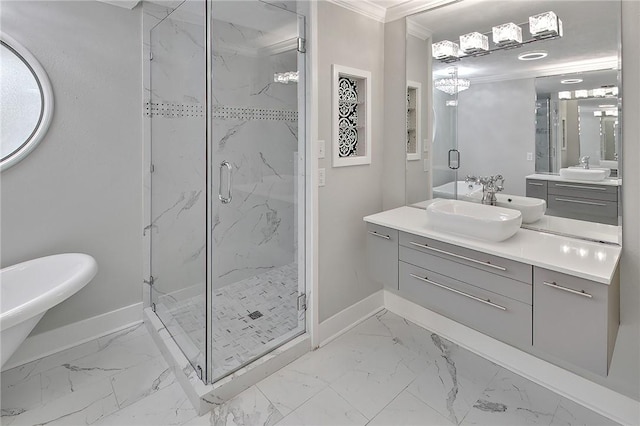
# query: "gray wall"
[495,138]
[80,189]
[419,181]
[350,192]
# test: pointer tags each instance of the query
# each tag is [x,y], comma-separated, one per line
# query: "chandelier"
[452,85]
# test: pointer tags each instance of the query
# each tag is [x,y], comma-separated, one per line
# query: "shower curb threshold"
[205,397]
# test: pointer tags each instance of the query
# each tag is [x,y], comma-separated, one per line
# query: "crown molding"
[411,7]
[363,7]
[127,4]
[418,30]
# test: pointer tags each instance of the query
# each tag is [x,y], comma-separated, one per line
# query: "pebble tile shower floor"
[385,371]
[248,315]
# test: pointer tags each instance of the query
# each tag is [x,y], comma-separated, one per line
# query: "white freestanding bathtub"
[29,289]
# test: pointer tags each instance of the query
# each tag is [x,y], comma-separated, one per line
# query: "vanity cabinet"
[583,201]
[512,290]
[537,188]
[454,285]
[382,255]
[574,319]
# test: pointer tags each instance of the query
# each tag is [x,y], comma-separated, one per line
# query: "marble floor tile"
[513,400]
[249,408]
[168,406]
[325,408]
[453,379]
[289,388]
[141,381]
[407,410]
[117,357]
[24,372]
[21,396]
[129,333]
[570,413]
[375,382]
[84,407]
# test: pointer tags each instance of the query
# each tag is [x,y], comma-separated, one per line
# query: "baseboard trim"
[59,339]
[596,397]
[348,318]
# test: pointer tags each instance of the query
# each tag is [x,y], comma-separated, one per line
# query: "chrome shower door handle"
[225,165]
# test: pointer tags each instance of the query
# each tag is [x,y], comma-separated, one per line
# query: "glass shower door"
[178,179]
[446,158]
[257,206]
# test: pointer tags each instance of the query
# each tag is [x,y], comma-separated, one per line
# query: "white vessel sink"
[607,171]
[612,164]
[532,209]
[583,174]
[473,220]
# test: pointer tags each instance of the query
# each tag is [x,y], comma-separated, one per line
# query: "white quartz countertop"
[558,178]
[584,259]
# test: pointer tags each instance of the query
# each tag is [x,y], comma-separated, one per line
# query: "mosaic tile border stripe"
[173,110]
[224,112]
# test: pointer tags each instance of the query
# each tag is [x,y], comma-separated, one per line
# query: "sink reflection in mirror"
[524,119]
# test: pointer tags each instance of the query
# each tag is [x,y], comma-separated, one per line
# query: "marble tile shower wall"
[257,230]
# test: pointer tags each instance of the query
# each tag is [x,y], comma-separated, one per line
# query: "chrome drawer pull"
[570,290]
[590,203]
[487,302]
[459,257]
[536,184]
[386,237]
[595,188]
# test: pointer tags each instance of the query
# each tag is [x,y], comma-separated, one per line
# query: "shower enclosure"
[227,180]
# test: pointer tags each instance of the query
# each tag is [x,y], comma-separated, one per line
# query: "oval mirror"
[26,102]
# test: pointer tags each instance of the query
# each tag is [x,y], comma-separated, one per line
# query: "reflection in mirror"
[507,123]
[26,102]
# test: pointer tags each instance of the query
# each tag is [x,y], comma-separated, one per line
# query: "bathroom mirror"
[495,118]
[26,102]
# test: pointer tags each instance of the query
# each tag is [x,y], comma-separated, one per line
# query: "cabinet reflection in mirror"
[543,111]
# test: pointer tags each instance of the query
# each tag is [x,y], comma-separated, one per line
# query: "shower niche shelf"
[351,116]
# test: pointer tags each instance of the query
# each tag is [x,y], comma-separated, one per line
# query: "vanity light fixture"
[452,85]
[581,94]
[606,106]
[286,77]
[445,50]
[564,95]
[599,93]
[571,81]
[532,56]
[474,43]
[507,34]
[545,25]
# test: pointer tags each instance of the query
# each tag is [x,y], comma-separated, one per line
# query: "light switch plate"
[426,165]
[322,175]
[321,149]
[529,156]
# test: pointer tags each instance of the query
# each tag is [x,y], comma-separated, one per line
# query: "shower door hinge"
[153,307]
[150,55]
[150,281]
[302,45]
[302,302]
[199,372]
[152,168]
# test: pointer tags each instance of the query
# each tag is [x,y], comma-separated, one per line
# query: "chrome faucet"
[584,161]
[490,185]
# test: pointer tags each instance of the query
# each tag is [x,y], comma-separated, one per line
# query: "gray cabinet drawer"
[602,211]
[486,262]
[571,319]
[382,255]
[500,317]
[579,190]
[537,188]
[478,278]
